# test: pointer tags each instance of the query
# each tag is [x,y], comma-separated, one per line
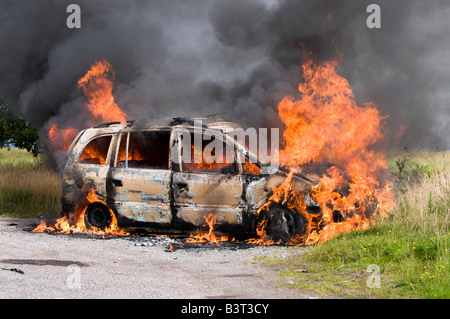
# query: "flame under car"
[136,173]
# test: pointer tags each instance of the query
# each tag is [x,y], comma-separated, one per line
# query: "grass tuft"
[27,187]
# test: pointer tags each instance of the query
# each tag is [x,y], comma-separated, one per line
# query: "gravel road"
[41,265]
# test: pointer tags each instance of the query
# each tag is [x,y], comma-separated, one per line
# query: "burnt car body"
[132,169]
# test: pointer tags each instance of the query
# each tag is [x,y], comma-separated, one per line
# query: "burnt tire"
[97,215]
[282,224]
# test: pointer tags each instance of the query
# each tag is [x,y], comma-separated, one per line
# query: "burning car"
[140,176]
[139,180]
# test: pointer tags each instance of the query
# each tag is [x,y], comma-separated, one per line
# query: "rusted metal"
[169,199]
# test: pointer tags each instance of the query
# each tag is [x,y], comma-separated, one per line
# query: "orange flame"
[326,131]
[261,239]
[63,226]
[60,139]
[97,86]
[209,237]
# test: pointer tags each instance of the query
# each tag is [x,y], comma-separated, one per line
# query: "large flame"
[208,237]
[63,226]
[329,135]
[97,86]
[326,134]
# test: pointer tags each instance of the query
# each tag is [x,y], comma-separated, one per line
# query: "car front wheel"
[97,215]
[282,223]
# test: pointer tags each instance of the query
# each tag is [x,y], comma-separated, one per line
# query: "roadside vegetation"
[27,187]
[409,250]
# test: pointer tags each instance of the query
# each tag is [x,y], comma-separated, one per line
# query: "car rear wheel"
[282,224]
[97,215]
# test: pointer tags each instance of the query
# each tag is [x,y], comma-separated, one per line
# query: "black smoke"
[238,57]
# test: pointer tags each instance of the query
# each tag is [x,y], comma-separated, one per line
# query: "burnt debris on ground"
[171,242]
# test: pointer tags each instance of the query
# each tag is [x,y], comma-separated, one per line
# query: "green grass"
[18,158]
[27,187]
[409,167]
[411,247]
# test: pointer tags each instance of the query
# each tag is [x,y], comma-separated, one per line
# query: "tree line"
[15,131]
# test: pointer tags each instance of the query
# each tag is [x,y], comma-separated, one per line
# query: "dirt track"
[68,266]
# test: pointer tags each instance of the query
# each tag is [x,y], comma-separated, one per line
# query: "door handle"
[182,187]
[117,183]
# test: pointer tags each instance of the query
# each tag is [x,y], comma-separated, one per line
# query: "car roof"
[169,122]
[210,122]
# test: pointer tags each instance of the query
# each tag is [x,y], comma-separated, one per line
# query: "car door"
[202,188]
[140,181]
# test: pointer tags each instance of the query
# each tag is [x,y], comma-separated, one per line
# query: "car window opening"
[147,149]
[209,158]
[96,151]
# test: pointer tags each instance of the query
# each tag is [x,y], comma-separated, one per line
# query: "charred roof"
[212,122]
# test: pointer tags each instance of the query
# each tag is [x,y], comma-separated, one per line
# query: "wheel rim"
[98,217]
[281,225]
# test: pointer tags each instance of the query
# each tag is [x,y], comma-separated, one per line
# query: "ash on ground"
[179,243]
[170,242]
[149,241]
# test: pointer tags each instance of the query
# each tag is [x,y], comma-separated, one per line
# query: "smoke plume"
[238,57]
